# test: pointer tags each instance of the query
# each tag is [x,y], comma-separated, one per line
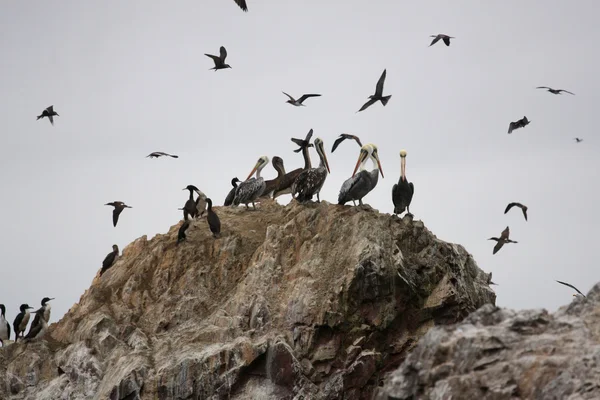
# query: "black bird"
[119,207]
[213,219]
[157,154]
[303,143]
[50,113]
[502,240]
[554,91]
[181,234]
[219,60]
[38,327]
[521,206]
[4,325]
[298,102]
[343,137]
[402,192]
[445,38]
[242,4]
[110,258]
[578,140]
[522,123]
[378,94]
[578,294]
[285,183]
[231,194]
[310,181]
[21,321]
[47,308]
[190,206]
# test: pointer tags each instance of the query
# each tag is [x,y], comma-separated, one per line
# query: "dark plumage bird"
[578,294]
[502,240]
[298,102]
[343,137]
[251,189]
[21,321]
[190,205]
[119,206]
[522,123]
[286,182]
[157,154]
[402,192]
[272,184]
[4,325]
[110,259]
[378,96]
[310,181]
[445,38]
[38,327]
[554,91]
[46,308]
[521,206]
[50,113]
[219,60]
[242,4]
[181,234]
[359,185]
[231,194]
[213,219]
[578,140]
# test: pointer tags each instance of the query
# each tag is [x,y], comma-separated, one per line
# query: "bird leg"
[408,211]
[318,198]
[247,206]
[360,203]
[354,203]
[253,206]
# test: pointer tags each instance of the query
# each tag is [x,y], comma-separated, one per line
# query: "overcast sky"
[129,78]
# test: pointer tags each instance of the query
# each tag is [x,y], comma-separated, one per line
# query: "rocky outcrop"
[305,302]
[502,354]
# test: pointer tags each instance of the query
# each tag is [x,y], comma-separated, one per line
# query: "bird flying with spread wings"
[378,96]
[521,206]
[554,91]
[343,137]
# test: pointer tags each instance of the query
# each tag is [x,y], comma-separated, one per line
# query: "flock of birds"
[303,184]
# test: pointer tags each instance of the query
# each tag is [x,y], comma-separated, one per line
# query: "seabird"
[190,205]
[119,207]
[38,327]
[578,294]
[231,194]
[219,60]
[378,94]
[503,239]
[445,38]
[272,184]
[578,140]
[157,154]
[522,123]
[46,308]
[21,320]
[251,189]
[286,182]
[298,102]
[213,219]
[242,4]
[521,206]
[4,325]
[110,258]
[50,113]
[181,234]
[402,192]
[310,181]
[554,91]
[343,137]
[359,185]
[200,204]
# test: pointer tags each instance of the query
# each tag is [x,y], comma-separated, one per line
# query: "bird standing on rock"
[213,219]
[231,194]
[181,236]
[4,325]
[310,181]
[402,192]
[38,327]
[190,207]
[21,321]
[110,259]
[359,185]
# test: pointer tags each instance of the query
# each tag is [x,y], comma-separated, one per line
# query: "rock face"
[501,354]
[296,302]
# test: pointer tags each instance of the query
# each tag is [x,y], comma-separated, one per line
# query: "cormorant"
[219,60]
[359,185]
[38,327]
[554,91]
[21,321]
[522,123]
[110,258]
[445,38]
[231,194]
[402,192]
[343,137]
[46,308]
[502,240]
[378,94]
[157,154]
[521,206]
[4,325]
[310,181]
[200,204]
[298,102]
[578,294]
[119,206]
[213,219]
[190,205]
[251,189]
[50,113]
[181,234]
[272,184]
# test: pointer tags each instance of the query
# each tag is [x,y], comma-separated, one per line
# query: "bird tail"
[385,99]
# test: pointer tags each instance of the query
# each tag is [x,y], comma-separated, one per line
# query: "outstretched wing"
[343,137]
[242,4]
[566,91]
[380,82]
[447,40]
[50,109]
[571,286]
[306,96]
[367,104]
[498,246]
[435,40]
[511,205]
[215,58]
[291,98]
[543,87]
[116,212]
[223,53]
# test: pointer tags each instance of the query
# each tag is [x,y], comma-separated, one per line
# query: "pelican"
[251,189]
[378,94]
[445,38]
[521,206]
[119,206]
[299,102]
[522,123]
[286,182]
[310,181]
[578,294]
[359,185]
[403,191]
[219,60]
[501,240]
[50,113]
[231,194]
[272,184]
[555,91]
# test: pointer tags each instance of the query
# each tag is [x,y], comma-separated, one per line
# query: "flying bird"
[502,240]
[181,233]
[298,102]
[343,137]
[359,185]
[285,183]
[578,294]
[522,123]
[303,143]
[554,91]
[157,154]
[402,192]
[231,194]
[445,38]
[242,4]
[21,320]
[521,206]
[310,181]
[50,113]
[119,206]
[378,96]
[110,259]
[578,140]
[219,60]
[214,222]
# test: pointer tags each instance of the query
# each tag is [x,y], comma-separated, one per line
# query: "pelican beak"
[254,169]
[361,157]
[379,165]
[324,157]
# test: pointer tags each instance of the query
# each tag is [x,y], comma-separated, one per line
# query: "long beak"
[379,165]
[253,170]
[361,158]
[51,299]
[325,158]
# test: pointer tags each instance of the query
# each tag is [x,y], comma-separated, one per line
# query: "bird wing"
[524,212]
[306,96]
[343,137]
[35,328]
[215,58]
[116,212]
[447,40]
[511,127]
[242,4]
[511,205]
[50,109]
[543,87]
[291,98]
[223,53]
[308,135]
[435,40]
[498,246]
[110,257]
[380,82]
[566,91]
[51,118]
[367,104]
[571,286]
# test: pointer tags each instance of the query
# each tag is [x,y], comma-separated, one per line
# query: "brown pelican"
[502,240]
[47,308]
[157,154]
[190,205]
[359,185]
[578,140]
[378,94]
[213,220]
[4,325]
[38,327]
[181,234]
[21,320]
[298,102]
[200,204]
[521,206]
[554,91]
[286,182]
[219,60]
[242,4]
[578,294]
[251,189]
[310,181]
[343,137]
[231,194]
[445,38]
[522,123]
[110,259]
[272,184]
[403,191]
[50,113]
[119,206]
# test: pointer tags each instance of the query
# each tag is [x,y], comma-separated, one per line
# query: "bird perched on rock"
[502,240]
[4,325]
[110,259]
[522,123]
[119,206]
[402,192]
[50,113]
[251,189]
[284,186]
[359,185]
[219,60]
[298,102]
[378,96]
[213,219]
[181,234]
[272,184]
[46,308]
[578,294]
[200,204]
[231,194]
[38,327]
[310,181]
[190,207]
[554,91]
[157,154]
[521,206]
[445,38]
[21,321]
[343,137]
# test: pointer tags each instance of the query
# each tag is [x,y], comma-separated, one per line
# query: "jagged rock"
[294,302]
[502,354]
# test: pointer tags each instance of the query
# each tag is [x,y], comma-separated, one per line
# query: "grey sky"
[129,78]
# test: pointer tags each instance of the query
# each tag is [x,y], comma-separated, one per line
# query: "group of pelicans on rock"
[38,326]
